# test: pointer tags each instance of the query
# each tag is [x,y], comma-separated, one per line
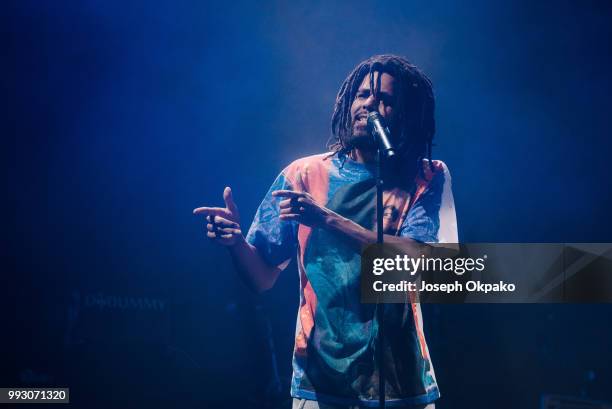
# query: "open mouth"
[361,119]
[361,123]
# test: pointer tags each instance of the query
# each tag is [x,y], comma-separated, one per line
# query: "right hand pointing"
[223,224]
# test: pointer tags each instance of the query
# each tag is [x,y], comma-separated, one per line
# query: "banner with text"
[487,273]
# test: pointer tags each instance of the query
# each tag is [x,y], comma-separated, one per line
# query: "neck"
[363,156]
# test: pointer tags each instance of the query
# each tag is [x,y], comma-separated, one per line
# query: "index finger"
[215,211]
[287,193]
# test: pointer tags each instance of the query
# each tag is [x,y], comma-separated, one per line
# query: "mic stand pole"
[380,307]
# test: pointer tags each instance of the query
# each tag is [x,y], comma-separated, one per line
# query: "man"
[323,208]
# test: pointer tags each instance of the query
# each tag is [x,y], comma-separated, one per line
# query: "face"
[365,102]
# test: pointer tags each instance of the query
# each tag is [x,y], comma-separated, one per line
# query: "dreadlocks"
[415,106]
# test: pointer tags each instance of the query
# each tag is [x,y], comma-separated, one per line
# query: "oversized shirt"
[334,357]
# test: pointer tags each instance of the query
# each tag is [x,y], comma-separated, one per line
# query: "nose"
[370,103]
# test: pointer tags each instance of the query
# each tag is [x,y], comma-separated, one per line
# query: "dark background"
[121,117]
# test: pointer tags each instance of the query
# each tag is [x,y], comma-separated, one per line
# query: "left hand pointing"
[302,208]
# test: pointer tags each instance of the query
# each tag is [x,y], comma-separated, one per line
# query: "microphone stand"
[380,307]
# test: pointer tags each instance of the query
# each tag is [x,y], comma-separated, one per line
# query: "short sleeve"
[276,240]
[432,217]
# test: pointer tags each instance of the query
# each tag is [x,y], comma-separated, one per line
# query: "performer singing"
[322,208]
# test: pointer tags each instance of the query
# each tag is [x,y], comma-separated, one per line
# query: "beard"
[361,138]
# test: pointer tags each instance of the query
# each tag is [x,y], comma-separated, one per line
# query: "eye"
[388,101]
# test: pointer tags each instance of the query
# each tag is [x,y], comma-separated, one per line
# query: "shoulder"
[312,160]
[433,170]
[308,165]
[433,175]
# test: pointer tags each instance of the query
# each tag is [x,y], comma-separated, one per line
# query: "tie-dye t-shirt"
[333,358]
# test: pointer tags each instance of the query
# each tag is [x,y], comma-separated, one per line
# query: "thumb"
[229,200]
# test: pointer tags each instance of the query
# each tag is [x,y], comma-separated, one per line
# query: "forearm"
[363,237]
[252,268]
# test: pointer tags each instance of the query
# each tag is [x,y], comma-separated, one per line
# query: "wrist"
[332,221]
[238,244]
[349,228]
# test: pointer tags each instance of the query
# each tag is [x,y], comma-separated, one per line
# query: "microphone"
[381,133]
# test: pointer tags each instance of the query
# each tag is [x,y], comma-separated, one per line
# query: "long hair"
[415,106]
